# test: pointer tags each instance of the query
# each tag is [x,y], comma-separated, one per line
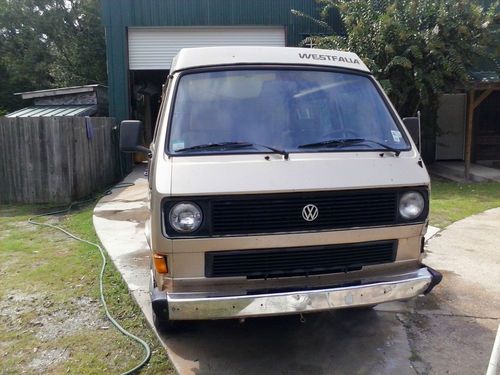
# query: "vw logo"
[310,212]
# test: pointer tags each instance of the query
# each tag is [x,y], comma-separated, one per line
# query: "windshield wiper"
[348,142]
[208,146]
[231,145]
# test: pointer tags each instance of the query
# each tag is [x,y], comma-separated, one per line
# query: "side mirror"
[130,137]
[412,124]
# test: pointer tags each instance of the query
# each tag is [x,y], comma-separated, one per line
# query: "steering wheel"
[341,134]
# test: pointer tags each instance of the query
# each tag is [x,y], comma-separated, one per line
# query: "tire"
[159,309]
[163,324]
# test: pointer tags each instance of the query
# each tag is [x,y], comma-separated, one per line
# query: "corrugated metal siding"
[154,48]
[120,15]
[55,111]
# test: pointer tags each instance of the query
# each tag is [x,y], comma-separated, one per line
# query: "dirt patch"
[46,359]
[24,225]
[16,304]
[50,322]
[6,264]
[32,230]
[12,227]
[63,322]
[47,322]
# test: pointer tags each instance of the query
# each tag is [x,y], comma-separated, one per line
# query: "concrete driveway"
[450,331]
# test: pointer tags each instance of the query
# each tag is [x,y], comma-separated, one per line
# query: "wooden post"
[472,104]
[468,132]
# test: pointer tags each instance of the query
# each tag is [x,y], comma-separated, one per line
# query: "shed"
[88,100]
[469,122]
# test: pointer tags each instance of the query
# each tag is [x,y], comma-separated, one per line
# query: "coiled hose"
[147,350]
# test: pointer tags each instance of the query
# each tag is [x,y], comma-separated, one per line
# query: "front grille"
[298,261]
[283,212]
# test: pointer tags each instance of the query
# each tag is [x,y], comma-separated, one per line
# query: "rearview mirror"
[130,137]
[412,124]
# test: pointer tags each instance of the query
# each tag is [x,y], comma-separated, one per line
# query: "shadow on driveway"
[336,342]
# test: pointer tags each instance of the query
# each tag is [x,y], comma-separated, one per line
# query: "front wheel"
[162,323]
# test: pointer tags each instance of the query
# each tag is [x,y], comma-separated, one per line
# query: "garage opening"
[146,87]
[152,49]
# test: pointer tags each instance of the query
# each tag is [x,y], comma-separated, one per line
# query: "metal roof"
[55,111]
[58,91]
[484,70]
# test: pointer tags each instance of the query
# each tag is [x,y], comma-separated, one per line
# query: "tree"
[49,43]
[24,59]
[76,35]
[417,49]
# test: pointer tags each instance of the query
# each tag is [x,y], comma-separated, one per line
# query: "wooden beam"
[468,131]
[481,97]
[472,104]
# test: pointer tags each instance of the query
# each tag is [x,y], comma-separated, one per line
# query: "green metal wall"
[120,14]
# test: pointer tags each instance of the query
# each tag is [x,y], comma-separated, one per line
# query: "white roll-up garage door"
[154,48]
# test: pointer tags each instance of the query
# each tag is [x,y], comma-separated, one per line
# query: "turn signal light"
[160,262]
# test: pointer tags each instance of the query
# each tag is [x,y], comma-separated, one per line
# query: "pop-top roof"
[212,56]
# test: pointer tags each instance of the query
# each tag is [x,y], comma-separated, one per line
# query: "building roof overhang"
[58,91]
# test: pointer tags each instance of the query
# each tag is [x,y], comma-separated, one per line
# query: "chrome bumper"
[184,306]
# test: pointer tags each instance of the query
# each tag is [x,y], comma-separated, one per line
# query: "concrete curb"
[431,232]
[495,355]
[118,221]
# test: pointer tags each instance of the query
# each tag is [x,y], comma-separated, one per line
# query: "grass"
[451,201]
[51,319]
[50,315]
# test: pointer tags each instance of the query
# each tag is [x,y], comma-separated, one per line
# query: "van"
[281,181]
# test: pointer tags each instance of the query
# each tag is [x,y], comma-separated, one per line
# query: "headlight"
[411,205]
[185,217]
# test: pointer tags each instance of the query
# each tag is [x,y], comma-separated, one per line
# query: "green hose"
[147,350]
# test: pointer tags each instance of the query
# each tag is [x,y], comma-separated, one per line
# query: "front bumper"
[188,306]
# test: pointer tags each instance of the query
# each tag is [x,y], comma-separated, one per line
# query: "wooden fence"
[56,159]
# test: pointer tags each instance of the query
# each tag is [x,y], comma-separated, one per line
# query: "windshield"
[243,111]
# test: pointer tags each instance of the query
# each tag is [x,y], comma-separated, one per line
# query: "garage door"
[154,48]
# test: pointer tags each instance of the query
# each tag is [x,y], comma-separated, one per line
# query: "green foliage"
[49,43]
[417,49]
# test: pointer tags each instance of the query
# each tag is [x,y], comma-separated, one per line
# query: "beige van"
[282,181]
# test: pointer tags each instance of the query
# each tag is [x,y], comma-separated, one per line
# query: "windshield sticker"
[396,135]
[177,145]
[315,56]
